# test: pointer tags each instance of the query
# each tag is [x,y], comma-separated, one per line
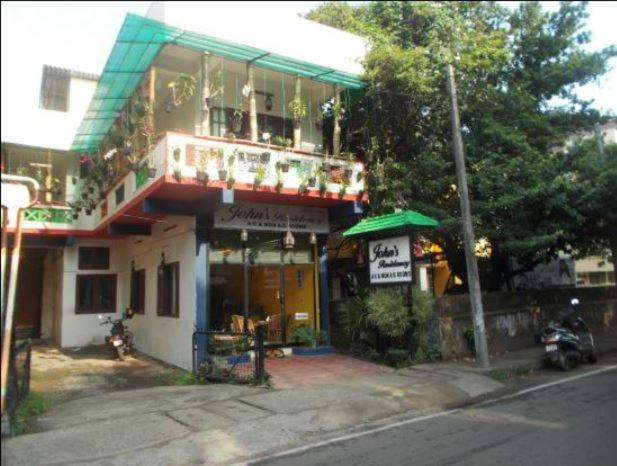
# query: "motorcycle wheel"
[592,357]
[120,352]
[563,361]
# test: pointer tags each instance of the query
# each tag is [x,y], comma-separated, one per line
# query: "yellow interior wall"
[265,288]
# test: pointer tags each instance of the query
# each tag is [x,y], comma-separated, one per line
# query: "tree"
[593,194]
[509,66]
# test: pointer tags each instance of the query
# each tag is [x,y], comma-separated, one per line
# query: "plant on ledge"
[230,166]
[279,180]
[282,141]
[322,179]
[176,167]
[303,187]
[201,164]
[260,176]
[298,110]
[343,190]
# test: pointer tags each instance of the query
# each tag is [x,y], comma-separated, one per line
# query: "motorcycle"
[568,342]
[120,339]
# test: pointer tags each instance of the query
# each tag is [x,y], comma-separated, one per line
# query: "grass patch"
[503,375]
[185,378]
[33,405]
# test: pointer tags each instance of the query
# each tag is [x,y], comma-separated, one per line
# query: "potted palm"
[311,342]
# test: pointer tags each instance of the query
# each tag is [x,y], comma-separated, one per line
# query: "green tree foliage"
[509,67]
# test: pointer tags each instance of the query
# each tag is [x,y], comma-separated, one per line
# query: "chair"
[274,327]
[237,324]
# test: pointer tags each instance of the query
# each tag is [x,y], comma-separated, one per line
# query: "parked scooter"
[570,341]
[120,339]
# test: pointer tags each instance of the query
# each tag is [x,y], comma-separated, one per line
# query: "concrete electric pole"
[473,280]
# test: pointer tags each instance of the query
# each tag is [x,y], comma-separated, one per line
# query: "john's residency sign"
[272,217]
[390,260]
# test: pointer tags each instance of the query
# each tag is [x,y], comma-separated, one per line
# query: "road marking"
[343,438]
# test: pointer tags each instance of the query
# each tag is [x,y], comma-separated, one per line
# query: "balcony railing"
[216,163]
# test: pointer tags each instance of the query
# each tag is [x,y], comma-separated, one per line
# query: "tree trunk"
[298,121]
[336,135]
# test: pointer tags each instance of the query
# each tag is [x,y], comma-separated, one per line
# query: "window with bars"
[96,294]
[55,92]
[138,291]
[168,294]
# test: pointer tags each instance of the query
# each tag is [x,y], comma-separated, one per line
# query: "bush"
[388,312]
[422,317]
[33,405]
[396,357]
[306,335]
[352,317]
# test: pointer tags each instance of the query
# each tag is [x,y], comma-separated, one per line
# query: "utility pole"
[473,280]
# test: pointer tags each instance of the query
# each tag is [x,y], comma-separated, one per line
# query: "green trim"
[137,45]
[408,219]
[48,214]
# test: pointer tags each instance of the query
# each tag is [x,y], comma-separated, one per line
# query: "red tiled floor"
[307,371]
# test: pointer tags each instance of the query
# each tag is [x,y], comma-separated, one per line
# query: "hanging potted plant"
[303,186]
[181,90]
[260,176]
[56,186]
[283,164]
[312,179]
[90,207]
[202,166]
[264,157]
[236,121]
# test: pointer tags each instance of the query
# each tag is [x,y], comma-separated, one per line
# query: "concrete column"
[252,102]
[336,134]
[297,121]
[324,300]
[205,94]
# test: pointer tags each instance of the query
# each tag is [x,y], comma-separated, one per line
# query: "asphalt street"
[572,423]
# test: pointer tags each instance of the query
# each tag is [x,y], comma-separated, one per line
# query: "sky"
[80,35]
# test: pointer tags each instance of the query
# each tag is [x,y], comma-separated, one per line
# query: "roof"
[407,219]
[49,70]
[139,42]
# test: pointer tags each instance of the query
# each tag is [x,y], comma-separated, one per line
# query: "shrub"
[422,316]
[387,311]
[352,317]
[306,335]
[397,357]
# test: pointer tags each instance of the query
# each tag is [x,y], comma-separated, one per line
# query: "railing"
[230,357]
[19,376]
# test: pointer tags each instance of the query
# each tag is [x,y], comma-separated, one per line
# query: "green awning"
[137,45]
[398,221]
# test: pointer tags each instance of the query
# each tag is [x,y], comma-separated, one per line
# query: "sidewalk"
[222,423]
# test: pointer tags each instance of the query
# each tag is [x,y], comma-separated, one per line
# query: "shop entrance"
[279,287]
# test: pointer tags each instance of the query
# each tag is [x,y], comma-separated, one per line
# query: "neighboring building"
[144,229]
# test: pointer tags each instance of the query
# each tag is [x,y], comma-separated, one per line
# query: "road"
[571,423]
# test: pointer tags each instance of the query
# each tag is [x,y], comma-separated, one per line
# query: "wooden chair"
[237,324]
[274,327]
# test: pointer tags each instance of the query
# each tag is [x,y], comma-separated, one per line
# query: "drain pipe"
[33,186]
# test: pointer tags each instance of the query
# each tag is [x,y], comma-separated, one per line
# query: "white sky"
[80,35]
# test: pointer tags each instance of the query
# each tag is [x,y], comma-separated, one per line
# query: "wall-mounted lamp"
[313,238]
[268,103]
[244,236]
[288,241]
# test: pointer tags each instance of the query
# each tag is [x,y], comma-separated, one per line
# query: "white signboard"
[390,260]
[271,217]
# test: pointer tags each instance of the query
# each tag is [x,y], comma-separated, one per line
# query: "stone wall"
[513,320]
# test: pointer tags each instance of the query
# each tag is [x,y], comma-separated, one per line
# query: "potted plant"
[231,181]
[312,342]
[283,165]
[91,189]
[322,179]
[279,181]
[56,186]
[182,89]
[84,195]
[202,166]
[264,157]
[260,176]
[343,189]
[90,207]
[218,153]
[348,170]
[312,179]
[237,120]
[151,168]
[177,169]
[303,186]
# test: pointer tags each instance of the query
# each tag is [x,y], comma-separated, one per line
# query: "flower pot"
[327,166]
[74,180]
[222,175]
[75,216]
[279,187]
[88,211]
[312,182]
[208,102]
[151,172]
[178,175]
[322,190]
[348,173]
[91,190]
[264,157]
[84,196]
[201,176]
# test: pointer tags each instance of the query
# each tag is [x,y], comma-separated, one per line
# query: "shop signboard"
[271,217]
[390,260]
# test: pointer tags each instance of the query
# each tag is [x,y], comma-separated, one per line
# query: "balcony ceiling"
[139,42]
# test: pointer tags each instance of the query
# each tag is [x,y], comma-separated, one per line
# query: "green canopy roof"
[407,219]
[137,45]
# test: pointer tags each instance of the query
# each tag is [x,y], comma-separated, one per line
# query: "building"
[201,182]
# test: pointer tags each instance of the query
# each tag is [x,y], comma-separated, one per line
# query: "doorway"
[29,293]
[281,284]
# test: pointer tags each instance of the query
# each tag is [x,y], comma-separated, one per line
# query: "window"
[138,291]
[55,92]
[93,258]
[96,294]
[167,290]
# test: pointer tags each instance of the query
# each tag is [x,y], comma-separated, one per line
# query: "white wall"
[84,329]
[165,338]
